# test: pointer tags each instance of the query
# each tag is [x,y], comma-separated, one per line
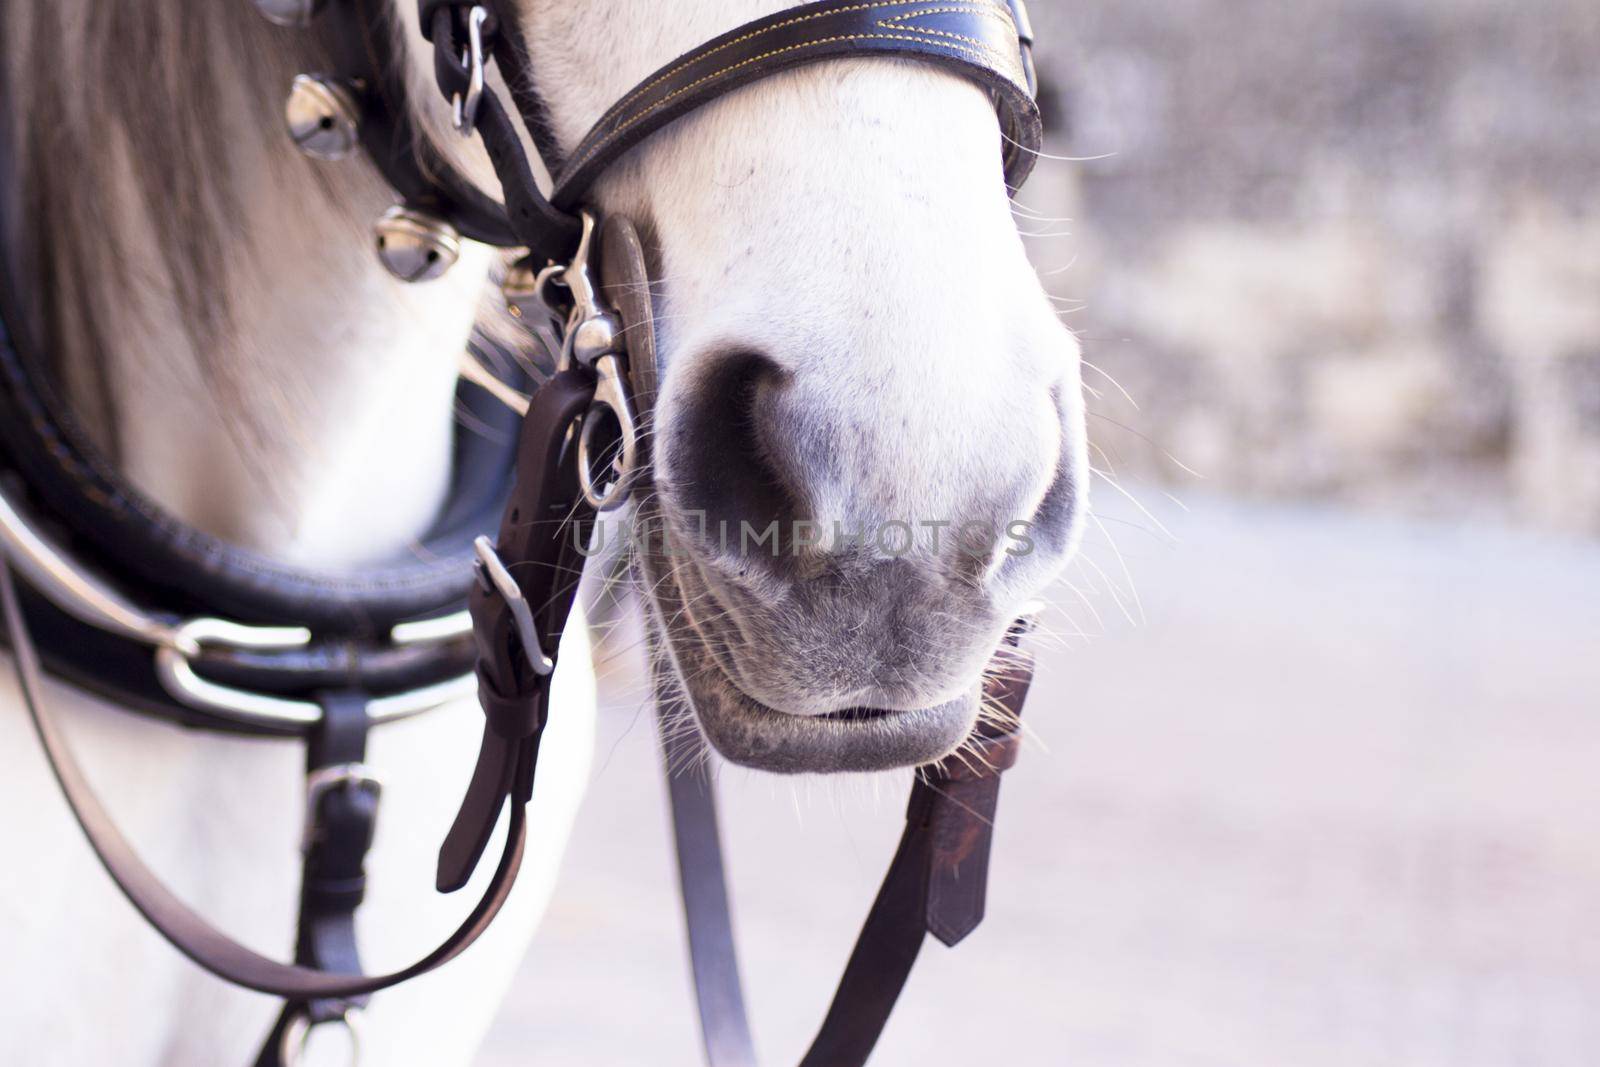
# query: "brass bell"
[289,12]
[322,117]
[414,245]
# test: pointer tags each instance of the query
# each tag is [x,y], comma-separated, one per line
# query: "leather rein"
[204,634]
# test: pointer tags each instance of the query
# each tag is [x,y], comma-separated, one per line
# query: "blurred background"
[1315,773]
[1337,249]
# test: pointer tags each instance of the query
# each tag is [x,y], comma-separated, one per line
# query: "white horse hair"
[838,268]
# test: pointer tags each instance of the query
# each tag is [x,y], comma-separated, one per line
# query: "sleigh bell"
[414,245]
[322,116]
[289,12]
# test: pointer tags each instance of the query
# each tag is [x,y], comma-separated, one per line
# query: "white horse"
[851,334]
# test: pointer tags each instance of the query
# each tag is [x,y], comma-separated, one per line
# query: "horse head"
[868,435]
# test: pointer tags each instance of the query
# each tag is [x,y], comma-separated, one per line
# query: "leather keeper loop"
[428,10]
[517,716]
[336,893]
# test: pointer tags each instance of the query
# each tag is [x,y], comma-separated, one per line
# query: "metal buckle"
[78,591]
[324,780]
[593,339]
[464,110]
[492,573]
[297,1034]
[177,674]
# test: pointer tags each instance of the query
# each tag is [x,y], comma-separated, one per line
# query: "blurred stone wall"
[1333,248]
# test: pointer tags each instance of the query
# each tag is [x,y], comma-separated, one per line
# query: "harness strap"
[185,929]
[539,540]
[935,884]
[363,45]
[986,41]
[976,39]
[341,815]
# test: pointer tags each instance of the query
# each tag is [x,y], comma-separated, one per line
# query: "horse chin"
[747,732]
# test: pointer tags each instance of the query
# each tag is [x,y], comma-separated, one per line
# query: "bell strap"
[362,42]
[185,929]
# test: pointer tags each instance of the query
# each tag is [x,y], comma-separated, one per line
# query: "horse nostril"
[721,465]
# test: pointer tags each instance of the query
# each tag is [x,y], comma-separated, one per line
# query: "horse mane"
[143,104]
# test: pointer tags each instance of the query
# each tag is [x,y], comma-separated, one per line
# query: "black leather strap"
[531,217]
[538,542]
[988,41]
[172,567]
[123,671]
[974,38]
[703,884]
[185,929]
[938,881]
[362,39]
[985,41]
[341,815]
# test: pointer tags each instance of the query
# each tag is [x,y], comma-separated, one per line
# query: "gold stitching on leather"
[1006,62]
[925,36]
[975,6]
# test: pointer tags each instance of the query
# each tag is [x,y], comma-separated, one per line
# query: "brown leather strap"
[702,880]
[184,928]
[935,884]
[539,542]
[342,800]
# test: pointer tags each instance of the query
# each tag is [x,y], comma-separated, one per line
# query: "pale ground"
[1334,803]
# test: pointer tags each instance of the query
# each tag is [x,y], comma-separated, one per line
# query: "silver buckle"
[326,779]
[491,568]
[178,676]
[464,110]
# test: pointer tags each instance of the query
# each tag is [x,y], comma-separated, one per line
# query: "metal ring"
[297,1034]
[611,395]
[465,109]
[178,677]
[71,587]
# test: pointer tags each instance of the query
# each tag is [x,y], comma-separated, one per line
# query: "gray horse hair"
[162,95]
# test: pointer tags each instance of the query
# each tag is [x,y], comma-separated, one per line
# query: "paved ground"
[1334,802]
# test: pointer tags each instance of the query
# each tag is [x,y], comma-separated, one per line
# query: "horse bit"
[208,635]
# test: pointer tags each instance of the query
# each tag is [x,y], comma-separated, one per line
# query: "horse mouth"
[745,731]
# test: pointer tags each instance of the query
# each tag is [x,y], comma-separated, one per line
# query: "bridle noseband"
[199,632]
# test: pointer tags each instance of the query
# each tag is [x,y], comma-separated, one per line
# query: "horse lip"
[856,714]
[748,732]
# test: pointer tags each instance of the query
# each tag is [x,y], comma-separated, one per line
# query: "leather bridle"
[202,633]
